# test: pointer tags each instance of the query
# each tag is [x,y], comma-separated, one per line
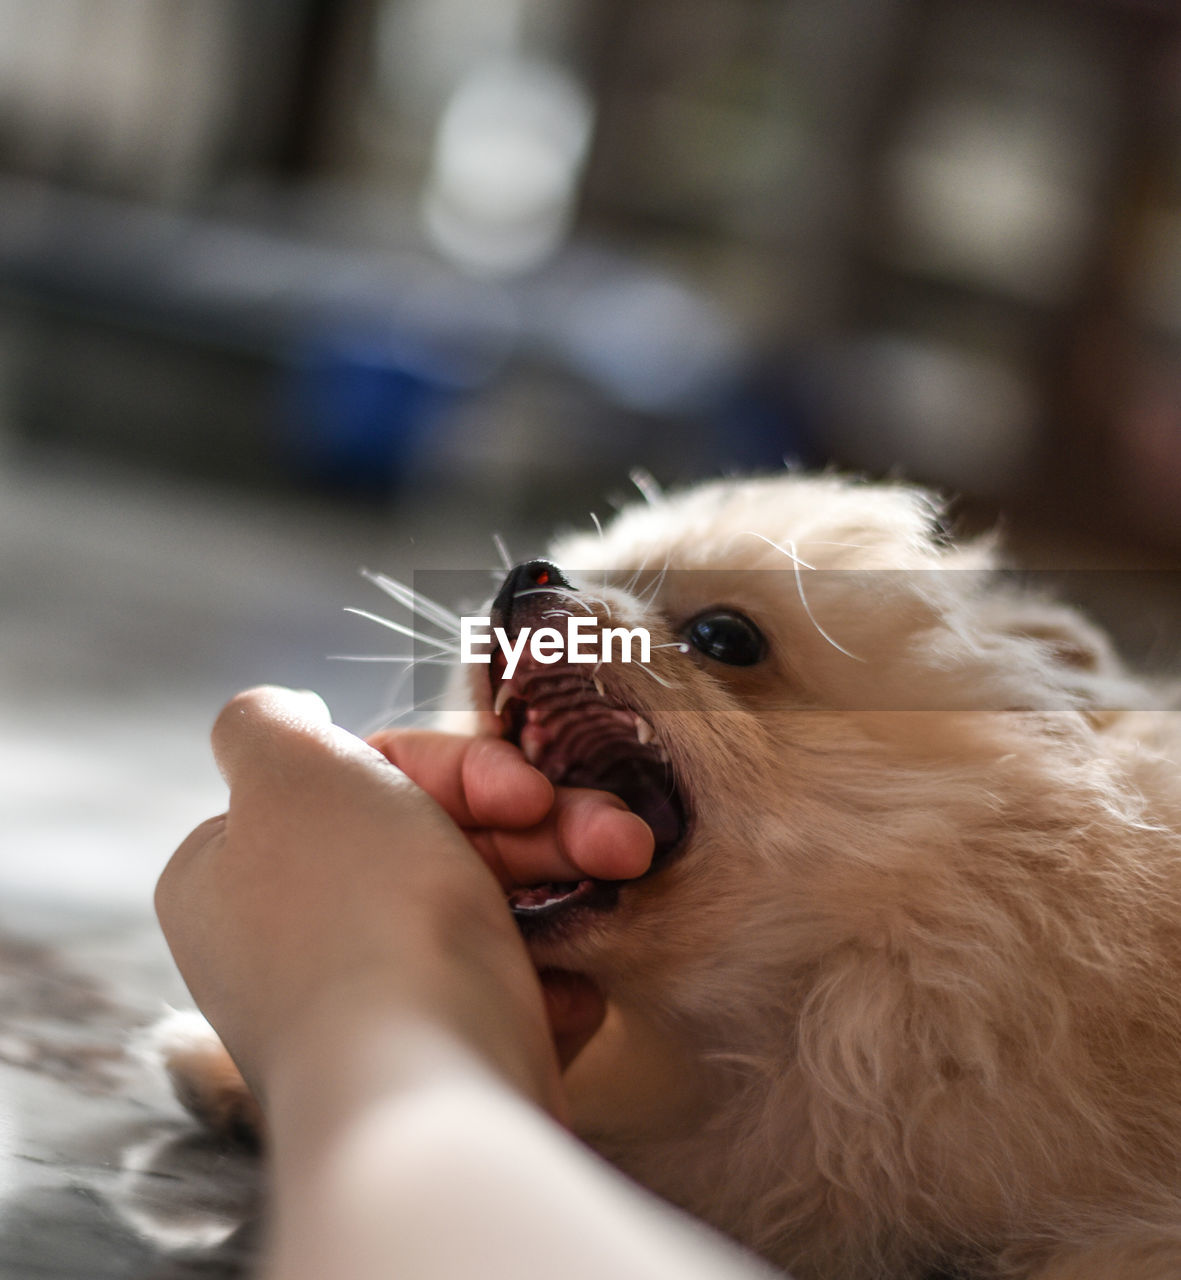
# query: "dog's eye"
[727,637]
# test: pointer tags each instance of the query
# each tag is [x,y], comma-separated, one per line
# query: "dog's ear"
[1065,636]
[1075,656]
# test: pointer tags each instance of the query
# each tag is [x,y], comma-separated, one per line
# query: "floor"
[100,1176]
[129,611]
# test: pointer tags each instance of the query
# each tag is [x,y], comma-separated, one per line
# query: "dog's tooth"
[644,731]
[503,694]
[599,686]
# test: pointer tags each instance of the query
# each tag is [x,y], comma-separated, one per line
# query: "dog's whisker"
[388,719]
[668,684]
[651,593]
[437,660]
[415,601]
[840,648]
[581,598]
[445,645]
[797,563]
[646,483]
[404,676]
[606,605]
[791,554]
[502,551]
[630,584]
[602,540]
[824,542]
[560,591]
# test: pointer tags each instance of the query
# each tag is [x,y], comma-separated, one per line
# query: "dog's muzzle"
[572,726]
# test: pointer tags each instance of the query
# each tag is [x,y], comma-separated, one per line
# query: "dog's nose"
[533,575]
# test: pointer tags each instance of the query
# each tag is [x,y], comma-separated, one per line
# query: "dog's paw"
[203,1075]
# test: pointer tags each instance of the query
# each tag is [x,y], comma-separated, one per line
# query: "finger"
[587,834]
[599,834]
[480,782]
[575,1008]
[199,841]
[255,725]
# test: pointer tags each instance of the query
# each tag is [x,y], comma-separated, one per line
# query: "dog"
[901,995]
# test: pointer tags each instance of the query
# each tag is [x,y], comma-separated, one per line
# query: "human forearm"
[423,1156]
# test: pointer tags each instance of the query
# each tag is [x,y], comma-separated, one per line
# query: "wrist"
[335,1062]
[367,1041]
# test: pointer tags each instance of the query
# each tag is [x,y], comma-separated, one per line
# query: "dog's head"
[853,745]
[803,630]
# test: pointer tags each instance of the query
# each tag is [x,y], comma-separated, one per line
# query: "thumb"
[256,726]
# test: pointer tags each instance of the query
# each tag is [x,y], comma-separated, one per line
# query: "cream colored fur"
[911,997]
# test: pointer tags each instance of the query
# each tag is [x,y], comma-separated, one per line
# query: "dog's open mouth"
[578,736]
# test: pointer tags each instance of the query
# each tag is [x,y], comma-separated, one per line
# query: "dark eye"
[727,637]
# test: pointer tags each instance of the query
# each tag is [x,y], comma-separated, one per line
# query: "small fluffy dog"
[901,995]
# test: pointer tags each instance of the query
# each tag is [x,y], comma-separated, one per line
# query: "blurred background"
[289,287]
[294,287]
[503,250]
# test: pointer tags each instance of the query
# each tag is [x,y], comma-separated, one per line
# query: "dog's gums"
[574,733]
[571,728]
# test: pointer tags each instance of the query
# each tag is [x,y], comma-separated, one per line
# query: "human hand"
[335,889]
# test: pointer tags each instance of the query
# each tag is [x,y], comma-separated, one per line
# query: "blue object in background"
[354,411]
[770,416]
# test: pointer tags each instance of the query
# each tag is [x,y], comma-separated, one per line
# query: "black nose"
[534,575]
